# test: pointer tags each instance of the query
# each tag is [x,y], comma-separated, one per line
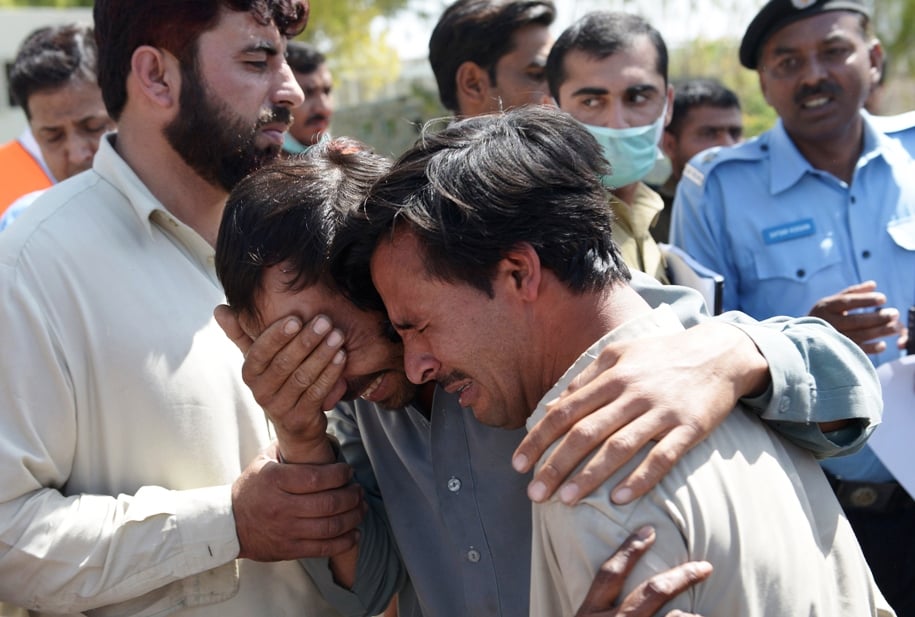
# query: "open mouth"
[816,103]
[372,388]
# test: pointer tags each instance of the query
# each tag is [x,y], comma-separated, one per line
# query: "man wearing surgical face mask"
[609,71]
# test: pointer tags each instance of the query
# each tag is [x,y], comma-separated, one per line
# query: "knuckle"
[623,441]
[662,459]
[549,472]
[614,568]
[558,415]
[584,432]
[662,584]
[283,364]
[303,377]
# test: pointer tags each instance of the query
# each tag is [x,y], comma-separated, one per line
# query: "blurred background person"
[312,118]
[706,114]
[608,70]
[53,78]
[490,55]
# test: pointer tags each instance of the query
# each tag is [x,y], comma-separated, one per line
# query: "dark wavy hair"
[51,57]
[288,212]
[479,31]
[483,186]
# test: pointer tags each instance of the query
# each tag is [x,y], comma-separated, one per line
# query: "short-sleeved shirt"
[786,235]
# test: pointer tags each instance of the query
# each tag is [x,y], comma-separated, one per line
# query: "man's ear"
[521,271]
[157,75]
[669,106]
[875,53]
[472,84]
[668,143]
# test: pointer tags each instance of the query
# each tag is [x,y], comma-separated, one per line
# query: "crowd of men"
[251,369]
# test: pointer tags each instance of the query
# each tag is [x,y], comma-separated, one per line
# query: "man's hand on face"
[856,312]
[672,389]
[643,601]
[295,374]
[285,511]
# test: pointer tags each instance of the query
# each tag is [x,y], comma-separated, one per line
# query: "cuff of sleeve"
[345,601]
[207,525]
[789,395]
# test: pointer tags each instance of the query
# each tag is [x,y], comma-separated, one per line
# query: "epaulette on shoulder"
[702,164]
[894,124]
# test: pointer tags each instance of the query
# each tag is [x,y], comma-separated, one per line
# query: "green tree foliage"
[351,35]
[718,58]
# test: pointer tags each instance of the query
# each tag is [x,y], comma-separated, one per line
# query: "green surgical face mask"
[631,151]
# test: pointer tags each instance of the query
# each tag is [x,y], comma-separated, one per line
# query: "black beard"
[217,144]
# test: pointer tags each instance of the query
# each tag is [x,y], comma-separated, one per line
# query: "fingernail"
[339,357]
[568,493]
[622,496]
[537,491]
[519,462]
[644,533]
[335,338]
[292,326]
[322,325]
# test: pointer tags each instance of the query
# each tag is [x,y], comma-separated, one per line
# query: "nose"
[421,366]
[80,150]
[814,71]
[322,102]
[288,92]
[616,116]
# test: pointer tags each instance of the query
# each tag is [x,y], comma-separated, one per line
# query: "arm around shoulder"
[819,380]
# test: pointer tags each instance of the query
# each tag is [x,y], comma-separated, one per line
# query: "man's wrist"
[315,452]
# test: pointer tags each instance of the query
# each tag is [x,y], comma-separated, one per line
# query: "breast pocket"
[790,276]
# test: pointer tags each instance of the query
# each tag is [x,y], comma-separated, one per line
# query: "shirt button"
[801,273]
[852,199]
[454,485]
[473,555]
[866,254]
[784,404]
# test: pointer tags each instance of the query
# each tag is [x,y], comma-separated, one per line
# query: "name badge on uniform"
[789,231]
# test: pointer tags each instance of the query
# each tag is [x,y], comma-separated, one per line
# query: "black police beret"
[779,13]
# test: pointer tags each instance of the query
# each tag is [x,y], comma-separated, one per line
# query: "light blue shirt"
[785,235]
[18,207]
[900,127]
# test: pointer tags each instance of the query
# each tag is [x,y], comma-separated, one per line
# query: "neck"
[188,197]
[836,154]
[626,194]
[577,321]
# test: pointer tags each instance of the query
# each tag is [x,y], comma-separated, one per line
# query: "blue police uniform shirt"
[900,127]
[786,235]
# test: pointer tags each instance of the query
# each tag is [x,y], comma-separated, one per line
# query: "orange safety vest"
[19,174]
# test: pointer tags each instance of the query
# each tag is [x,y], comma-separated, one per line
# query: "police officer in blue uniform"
[817,216]
[900,127]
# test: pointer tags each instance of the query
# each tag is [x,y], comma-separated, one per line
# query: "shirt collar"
[789,165]
[149,211]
